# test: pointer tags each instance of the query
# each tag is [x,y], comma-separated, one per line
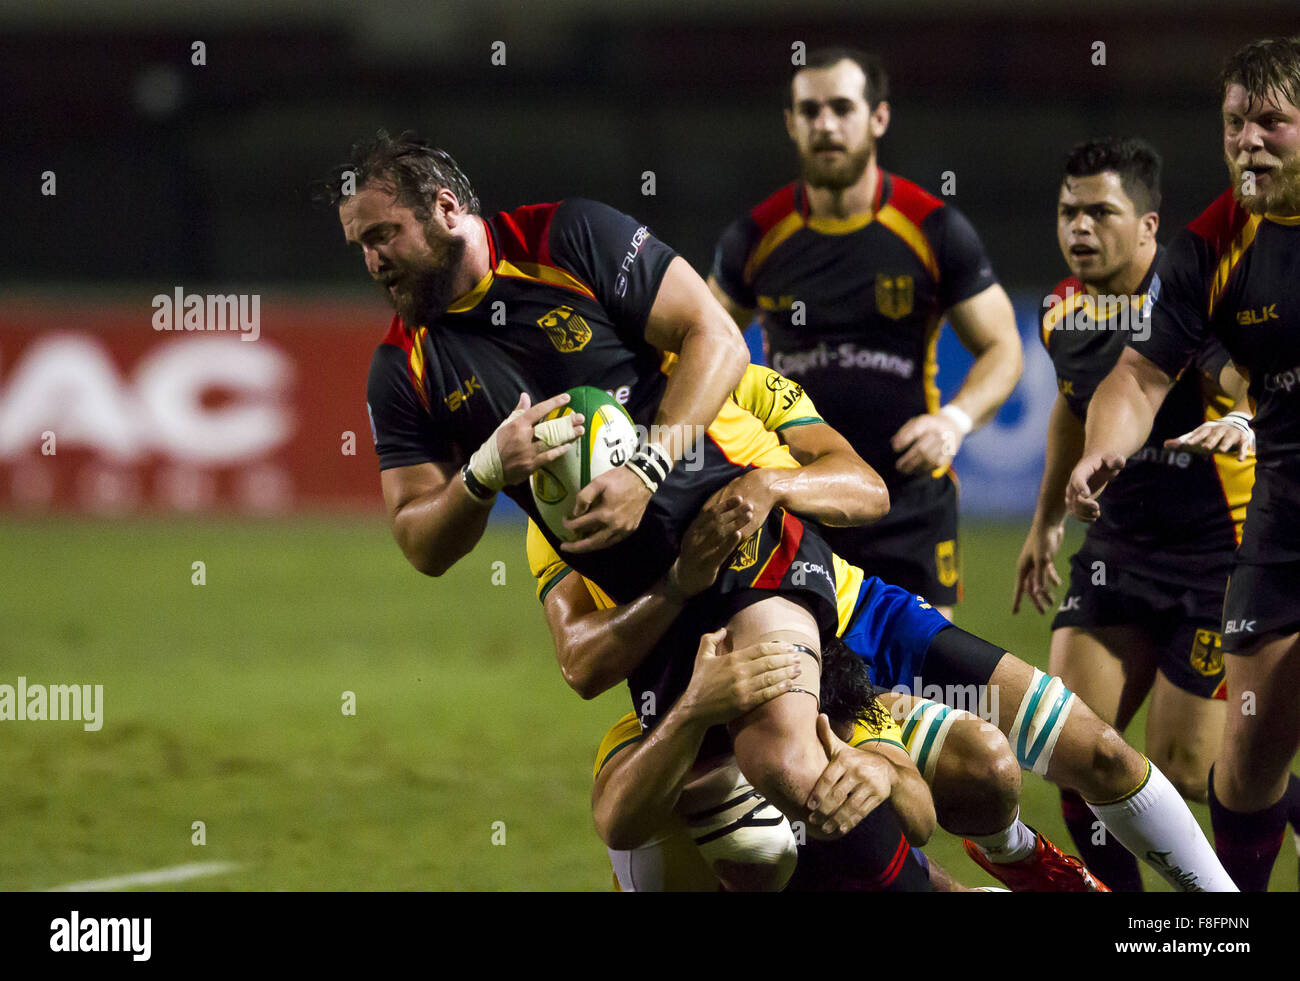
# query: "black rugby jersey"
[851,308]
[1172,514]
[1236,276]
[564,303]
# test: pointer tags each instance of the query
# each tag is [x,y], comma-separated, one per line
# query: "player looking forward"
[1145,595]
[496,314]
[1234,274]
[852,270]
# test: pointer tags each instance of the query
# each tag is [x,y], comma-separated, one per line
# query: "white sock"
[1155,824]
[1012,844]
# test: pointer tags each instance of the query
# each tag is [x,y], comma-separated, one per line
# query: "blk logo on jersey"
[895,296]
[1242,626]
[1068,604]
[458,398]
[566,329]
[1252,318]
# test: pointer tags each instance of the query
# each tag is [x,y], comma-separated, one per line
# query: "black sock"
[1248,842]
[1110,862]
[873,857]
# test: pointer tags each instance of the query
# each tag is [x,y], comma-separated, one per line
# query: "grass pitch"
[466,765]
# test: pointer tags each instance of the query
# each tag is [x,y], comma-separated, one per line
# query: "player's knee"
[1113,763]
[1185,769]
[981,771]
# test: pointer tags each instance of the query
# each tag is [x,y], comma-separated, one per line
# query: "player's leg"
[1056,735]
[1249,783]
[975,780]
[1111,668]
[971,771]
[1184,733]
[778,750]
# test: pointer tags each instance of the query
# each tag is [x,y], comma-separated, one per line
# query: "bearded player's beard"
[838,176]
[428,290]
[1283,195]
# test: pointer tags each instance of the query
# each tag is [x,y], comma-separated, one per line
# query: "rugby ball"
[609,441]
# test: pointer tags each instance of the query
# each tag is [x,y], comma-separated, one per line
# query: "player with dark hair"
[494,316]
[1145,596]
[1232,274]
[907,645]
[674,820]
[852,270]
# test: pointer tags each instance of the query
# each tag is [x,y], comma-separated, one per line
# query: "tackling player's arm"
[435,517]
[598,648]
[637,789]
[1035,572]
[1120,416]
[832,485]
[855,783]
[986,326]
[711,357]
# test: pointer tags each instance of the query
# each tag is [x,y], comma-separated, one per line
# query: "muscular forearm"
[990,380]
[1064,447]
[1120,415]
[913,804]
[599,649]
[437,529]
[838,490]
[710,364]
[635,795]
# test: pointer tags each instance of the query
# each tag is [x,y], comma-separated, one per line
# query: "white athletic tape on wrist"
[744,827]
[1039,721]
[485,462]
[959,417]
[924,730]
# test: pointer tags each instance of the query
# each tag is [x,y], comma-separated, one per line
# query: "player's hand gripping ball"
[610,441]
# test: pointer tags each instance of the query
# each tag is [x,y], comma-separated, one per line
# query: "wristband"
[476,489]
[959,418]
[1238,419]
[651,463]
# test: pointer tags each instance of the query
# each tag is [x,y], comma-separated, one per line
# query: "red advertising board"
[105,410]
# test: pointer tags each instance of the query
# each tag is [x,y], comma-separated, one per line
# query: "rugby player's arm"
[1065,436]
[434,518]
[1036,574]
[711,356]
[911,797]
[636,790]
[832,485]
[986,326]
[598,648]
[1120,416]
[742,315]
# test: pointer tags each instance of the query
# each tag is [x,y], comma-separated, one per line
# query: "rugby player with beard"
[1234,274]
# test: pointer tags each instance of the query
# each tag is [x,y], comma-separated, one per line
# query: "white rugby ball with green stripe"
[609,441]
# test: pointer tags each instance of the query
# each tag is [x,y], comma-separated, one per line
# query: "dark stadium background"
[222,700]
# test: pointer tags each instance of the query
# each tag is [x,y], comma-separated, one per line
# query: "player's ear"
[879,119]
[1150,224]
[789,126]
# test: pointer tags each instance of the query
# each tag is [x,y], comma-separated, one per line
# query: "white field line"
[174,873]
